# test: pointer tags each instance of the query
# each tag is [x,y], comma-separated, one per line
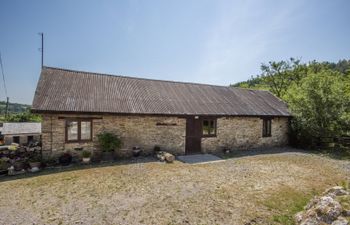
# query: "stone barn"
[180,117]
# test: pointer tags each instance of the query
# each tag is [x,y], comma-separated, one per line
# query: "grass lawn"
[260,189]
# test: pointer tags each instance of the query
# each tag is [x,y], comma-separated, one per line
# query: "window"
[16,139]
[85,130]
[209,127]
[78,130]
[30,139]
[72,130]
[266,128]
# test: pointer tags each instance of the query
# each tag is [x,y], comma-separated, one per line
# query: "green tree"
[320,105]
[278,76]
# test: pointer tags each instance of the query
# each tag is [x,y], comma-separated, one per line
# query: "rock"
[34,169]
[325,209]
[165,156]
[337,191]
[298,217]
[310,221]
[341,221]
[346,213]
[313,202]
[169,157]
[328,209]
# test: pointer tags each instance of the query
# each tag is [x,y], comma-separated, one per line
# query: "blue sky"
[215,42]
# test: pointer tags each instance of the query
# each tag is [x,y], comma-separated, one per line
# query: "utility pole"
[42,49]
[7,108]
[5,88]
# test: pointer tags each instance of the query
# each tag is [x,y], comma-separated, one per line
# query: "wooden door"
[193,135]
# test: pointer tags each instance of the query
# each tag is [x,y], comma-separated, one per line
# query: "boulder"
[310,221]
[346,213]
[328,209]
[169,157]
[336,191]
[341,221]
[165,156]
[325,209]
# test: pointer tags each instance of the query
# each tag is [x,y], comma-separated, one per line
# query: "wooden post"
[7,108]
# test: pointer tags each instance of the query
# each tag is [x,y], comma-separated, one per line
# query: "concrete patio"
[199,158]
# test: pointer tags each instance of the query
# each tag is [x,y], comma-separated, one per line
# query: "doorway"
[193,135]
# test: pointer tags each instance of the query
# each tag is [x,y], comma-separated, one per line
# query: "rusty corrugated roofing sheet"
[65,90]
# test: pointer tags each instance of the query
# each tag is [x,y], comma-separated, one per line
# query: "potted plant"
[86,156]
[35,161]
[136,151]
[65,159]
[109,142]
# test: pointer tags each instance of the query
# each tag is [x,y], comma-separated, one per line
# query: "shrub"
[35,158]
[65,159]
[320,106]
[156,148]
[86,154]
[109,141]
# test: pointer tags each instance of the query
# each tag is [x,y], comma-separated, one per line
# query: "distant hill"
[13,107]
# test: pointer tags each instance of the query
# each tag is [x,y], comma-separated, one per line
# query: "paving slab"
[199,158]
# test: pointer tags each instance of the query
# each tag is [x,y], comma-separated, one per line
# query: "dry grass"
[264,189]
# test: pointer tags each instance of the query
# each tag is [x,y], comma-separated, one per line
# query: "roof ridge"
[137,78]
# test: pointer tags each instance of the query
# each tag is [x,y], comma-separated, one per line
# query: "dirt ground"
[235,191]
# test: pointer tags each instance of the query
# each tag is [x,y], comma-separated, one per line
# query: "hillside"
[13,107]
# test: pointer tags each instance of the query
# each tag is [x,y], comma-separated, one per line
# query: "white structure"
[21,133]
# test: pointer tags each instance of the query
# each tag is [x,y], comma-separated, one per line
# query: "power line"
[3,75]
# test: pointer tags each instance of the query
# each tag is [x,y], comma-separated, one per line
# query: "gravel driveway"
[230,192]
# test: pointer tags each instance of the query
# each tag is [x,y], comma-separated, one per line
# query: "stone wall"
[23,138]
[166,132]
[142,131]
[239,133]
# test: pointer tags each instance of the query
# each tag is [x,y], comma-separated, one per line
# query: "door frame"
[196,137]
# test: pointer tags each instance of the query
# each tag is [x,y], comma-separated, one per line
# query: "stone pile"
[165,156]
[326,209]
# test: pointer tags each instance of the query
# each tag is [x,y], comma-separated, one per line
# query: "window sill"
[206,136]
[77,142]
[267,136]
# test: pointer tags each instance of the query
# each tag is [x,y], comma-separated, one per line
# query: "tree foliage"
[320,105]
[317,93]
[25,116]
[278,76]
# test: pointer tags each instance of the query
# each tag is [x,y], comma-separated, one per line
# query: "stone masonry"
[239,133]
[167,132]
[143,131]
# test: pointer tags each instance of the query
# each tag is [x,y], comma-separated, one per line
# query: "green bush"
[320,106]
[109,141]
[86,154]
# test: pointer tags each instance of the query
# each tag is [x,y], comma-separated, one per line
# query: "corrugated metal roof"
[21,128]
[76,91]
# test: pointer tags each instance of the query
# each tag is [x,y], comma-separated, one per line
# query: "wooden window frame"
[215,126]
[267,127]
[78,120]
